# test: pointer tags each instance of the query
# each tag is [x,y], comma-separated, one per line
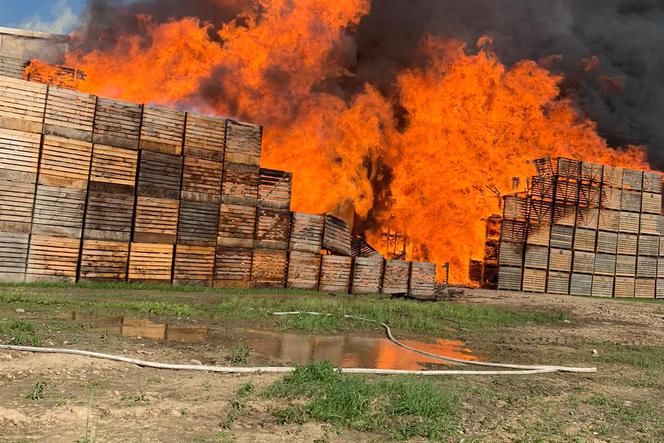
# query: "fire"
[470,121]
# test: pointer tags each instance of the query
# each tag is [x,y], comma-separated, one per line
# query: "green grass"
[642,357]
[239,354]
[37,392]
[618,415]
[20,333]
[403,407]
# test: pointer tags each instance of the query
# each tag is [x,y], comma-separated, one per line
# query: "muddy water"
[290,348]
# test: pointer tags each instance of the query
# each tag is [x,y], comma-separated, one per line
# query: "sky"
[58,16]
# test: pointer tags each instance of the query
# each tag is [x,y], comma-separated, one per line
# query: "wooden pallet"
[232,267]
[69,114]
[652,224]
[58,212]
[19,151]
[52,258]
[562,236]
[307,232]
[611,198]
[627,244]
[602,286]
[156,220]
[514,231]
[194,265]
[581,284]
[240,184]
[651,203]
[274,189]
[65,162]
[537,257]
[567,192]
[367,275]
[625,266]
[422,280]
[646,267]
[624,287]
[515,208]
[395,277]
[159,175]
[110,213]
[613,176]
[609,220]
[607,242]
[652,182]
[509,278]
[117,123]
[659,288]
[564,215]
[150,262]
[645,288]
[568,168]
[584,240]
[16,203]
[539,234]
[237,224]
[11,67]
[273,229]
[335,273]
[201,180]
[631,201]
[605,264]
[269,268]
[633,180]
[534,280]
[22,105]
[649,245]
[205,137]
[303,270]
[198,223]
[583,262]
[510,254]
[114,165]
[162,130]
[13,256]
[587,218]
[104,260]
[560,260]
[337,236]
[558,282]
[243,143]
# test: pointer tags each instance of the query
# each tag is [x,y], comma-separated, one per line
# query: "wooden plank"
[109,215]
[567,192]
[104,260]
[649,245]
[58,212]
[11,66]
[627,244]
[651,224]
[303,270]
[240,184]
[150,262]
[660,268]
[560,260]
[367,275]
[645,288]
[591,172]
[605,264]
[69,114]
[626,265]
[117,123]
[587,218]
[633,180]
[232,267]
[237,224]
[162,130]
[114,165]
[514,231]
[201,180]
[273,229]
[558,282]
[422,280]
[13,256]
[160,175]
[584,240]
[395,277]
[509,278]
[609,220]
[537,257]
[646,267]
[269,268]
[539,212]
[631,201]
[534,280]
[205,137]
[629,222]
[583,262]
[307,232]
[198,223]
[659,287]
[607,242]
[539,235]
[274,189]
[156,220]
[65,162]
[652,203]
[564,215]
[515,208]
[611,198]
[19,151]
[624,287]
[510,254]
[194,265]
[337,236]
[243,143]
[52,258]
[613,176]
[589,195]
[22,105]
[562,236]
[335,273]
[581,284]
[602,286]
[652,182]
[568,168]
[16,203]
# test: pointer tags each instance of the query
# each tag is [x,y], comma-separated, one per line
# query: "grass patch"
[620,415]
[643,357]
[401,407]
[239,354]
[37,392]
[21,333]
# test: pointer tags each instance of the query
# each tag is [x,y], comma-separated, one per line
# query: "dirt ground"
[95,400]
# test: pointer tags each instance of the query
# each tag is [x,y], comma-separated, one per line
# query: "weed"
[133,399]
[245,390]
[239,354]
[21,333]
[236,407]
[37,392]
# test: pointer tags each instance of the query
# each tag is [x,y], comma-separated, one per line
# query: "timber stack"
[94,189]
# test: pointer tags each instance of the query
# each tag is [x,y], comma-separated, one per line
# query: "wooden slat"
[307,232]
[629,222]
[16,202]
[150,262]
[159,175]
[269,268]
[162,130]
[273,229]
[581,284]
[587,218]
[611,198]
[335,273]
[631,201]
[558,282]
[243,143]
[591,172]
[652,203]
[649,245]
[117,123]
[539,235]
[232,267]
[19,151]
[584,240]
[240,184]
[303,270]
[194,265]
[114,165]
[514,231]
[602,286]
[645,288]
[510,254]
[537,257]
[534,280]
[58,212]
[515,208]
[589,195]
[109,215]
[198,223]
[422,280]
[607,242]
[509,278]
[567,192]
[624,287]
[560,260]
[633,180]
[613,176]
[367,273]
[609,220]
[201,180]
[156,220]
[69,114]
[337,236]
[583,262]
[562,237]
[627,244]
[104,260]
[274,189]
[605,264]
[626,265]
[652,182]
[11,66]
[237,224]
[646,267]
[65,162]
[395,277]
[659,287]
[568,168]
[651,224]
[22,105]
[52,258]
[205,137]
[13,256]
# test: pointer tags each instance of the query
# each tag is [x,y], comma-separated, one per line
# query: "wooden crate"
[269,268]
[198,223]
[632,180]
[624,287]
[11,66]
[509,278]
[611,198]
[335,273]
[395,277]
[367,275]
[19,152]
[646,267]
[65,162]
[16,203]
[587,218]
[564,215]
[542,187]
[201,180]
[273,229]
[645,288]
[659,288]
[567,192]
[422,280]
[605,264]
[156,220]
[631,201]
[307,232]
[162,130]
[560,260]
[237,224]
[243,143]
[117,123]
[337,236]
[652,182]
[651,203]
[649,245]
[558,283]
[627,244]
[534,280]
[58,212]
[568,168]
[510,254]
[539,235]
[22,105]
[609,220]
[240,184]
[159,175]
[629,222]
[584,240]
[303,270]
[626,265]
[515,208]
[514,231]
[274,189]
[581,284]
[13,256]
[194,265]
[562,236]
[660,267]
[114,165]
[539,212]
[602,286]
[583,262]
[150,262]
[232,267]
[651,224]
[607,242]
[205,137]
[104,260]
[537,257]
[69,114]
[52,258]
[613,176]
[109,213]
